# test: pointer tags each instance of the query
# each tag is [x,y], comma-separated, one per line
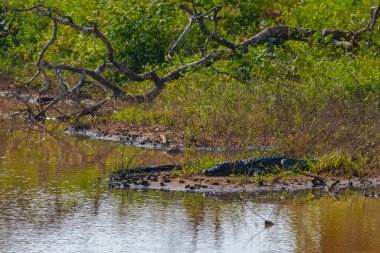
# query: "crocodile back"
[257,165]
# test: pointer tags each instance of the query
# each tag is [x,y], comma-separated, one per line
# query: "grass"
[343,164]
[196,165]
[142,115]
[337,163]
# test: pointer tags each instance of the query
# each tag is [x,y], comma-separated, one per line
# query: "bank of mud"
[173,181]
[154,137]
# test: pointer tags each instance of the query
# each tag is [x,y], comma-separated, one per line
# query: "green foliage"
[304,98]
[142,115]
[193,163]
[342,163]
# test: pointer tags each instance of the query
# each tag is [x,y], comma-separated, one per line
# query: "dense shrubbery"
[306,97]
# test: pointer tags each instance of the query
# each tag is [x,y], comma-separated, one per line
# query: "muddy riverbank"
[173,181]
[170,141]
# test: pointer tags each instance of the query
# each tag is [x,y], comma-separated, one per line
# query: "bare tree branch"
[40,57]
[118,93]
[284,33]
[212,35]
[104,66]
[375,14]
[63,95]
[47,82]
[176,44]
[47,45]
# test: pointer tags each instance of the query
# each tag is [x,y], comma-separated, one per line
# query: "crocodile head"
[293,164]
[220,169]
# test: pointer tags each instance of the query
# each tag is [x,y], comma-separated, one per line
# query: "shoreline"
[152,143]
[166,181]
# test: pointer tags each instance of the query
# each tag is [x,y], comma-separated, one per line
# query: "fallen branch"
[319,181]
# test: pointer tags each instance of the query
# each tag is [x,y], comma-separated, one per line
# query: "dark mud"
[129,139]
[151,138]
[171,181]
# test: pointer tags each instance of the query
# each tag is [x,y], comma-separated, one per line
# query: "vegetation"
[302,97]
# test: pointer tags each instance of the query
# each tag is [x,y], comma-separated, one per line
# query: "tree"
[207,22]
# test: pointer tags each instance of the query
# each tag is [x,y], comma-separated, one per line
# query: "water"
[54,198]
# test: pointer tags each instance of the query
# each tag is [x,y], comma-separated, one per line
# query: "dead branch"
[63,95]
[202,26]
[175,45]
[93,110]
[319,181]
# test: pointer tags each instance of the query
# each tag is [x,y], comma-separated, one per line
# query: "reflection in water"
[51,200]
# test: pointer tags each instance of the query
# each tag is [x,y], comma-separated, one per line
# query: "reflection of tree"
[97,198]
[4,144]
[194,205]
[329,225]
[39,185]
[218,232]
[212,216]
[349,225]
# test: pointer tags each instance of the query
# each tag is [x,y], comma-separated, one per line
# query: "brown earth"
[7,102]
[198,183]
[148,136]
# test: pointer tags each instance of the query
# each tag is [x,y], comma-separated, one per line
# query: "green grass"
[196,165]
[344,164]
[142,116]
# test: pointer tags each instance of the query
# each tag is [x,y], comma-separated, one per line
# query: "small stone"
[144,183]
[162,183]
[268,224]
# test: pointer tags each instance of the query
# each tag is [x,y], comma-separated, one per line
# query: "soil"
[212,185]
[7,102]
[145,136]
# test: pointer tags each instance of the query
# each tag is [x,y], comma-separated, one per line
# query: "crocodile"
[258,165]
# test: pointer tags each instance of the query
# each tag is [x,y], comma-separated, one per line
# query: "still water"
[54,198]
